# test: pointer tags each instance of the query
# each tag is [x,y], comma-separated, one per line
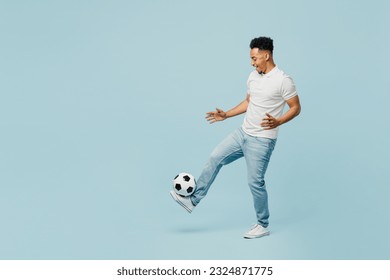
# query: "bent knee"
[215,159]
[256,182]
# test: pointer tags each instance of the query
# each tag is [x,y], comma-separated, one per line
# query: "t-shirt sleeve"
[288,88]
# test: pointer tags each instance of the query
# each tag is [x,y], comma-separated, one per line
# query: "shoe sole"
[179,202]
[256,236]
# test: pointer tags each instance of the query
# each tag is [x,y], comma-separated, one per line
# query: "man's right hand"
[216,116]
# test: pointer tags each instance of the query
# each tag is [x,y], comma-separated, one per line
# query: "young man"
[269,89]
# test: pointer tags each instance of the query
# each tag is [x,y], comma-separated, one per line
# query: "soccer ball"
[184,184]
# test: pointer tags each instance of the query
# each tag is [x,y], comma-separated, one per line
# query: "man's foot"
[185,202]
[256,231]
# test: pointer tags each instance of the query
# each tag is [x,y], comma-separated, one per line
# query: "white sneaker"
[183,201]
[256,231]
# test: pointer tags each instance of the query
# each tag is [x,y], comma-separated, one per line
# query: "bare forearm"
[238,110]
[269,122]
[293,111]
[289,115]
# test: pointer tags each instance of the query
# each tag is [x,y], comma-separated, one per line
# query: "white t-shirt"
[268,94]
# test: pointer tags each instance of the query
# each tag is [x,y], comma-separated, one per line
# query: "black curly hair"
[262,43]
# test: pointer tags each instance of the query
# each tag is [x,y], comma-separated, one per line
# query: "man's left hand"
[270,122]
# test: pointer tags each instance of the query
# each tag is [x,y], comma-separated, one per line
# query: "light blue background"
[102,103]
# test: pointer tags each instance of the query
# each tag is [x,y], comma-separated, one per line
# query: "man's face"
[259,59]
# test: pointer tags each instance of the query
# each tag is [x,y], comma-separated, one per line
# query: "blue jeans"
[257,153]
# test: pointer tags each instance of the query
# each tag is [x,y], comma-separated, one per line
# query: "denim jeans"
[257,152]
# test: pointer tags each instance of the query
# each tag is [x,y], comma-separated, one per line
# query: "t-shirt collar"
[270,73]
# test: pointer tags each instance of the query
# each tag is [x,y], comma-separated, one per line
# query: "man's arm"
[294,109]
[220,115]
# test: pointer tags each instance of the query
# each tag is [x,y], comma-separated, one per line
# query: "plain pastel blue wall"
[102,103]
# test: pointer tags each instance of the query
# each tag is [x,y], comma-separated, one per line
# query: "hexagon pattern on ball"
[184,184]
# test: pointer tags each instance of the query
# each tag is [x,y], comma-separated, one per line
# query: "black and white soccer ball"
[184,184]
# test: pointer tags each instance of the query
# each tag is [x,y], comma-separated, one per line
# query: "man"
[269,89]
